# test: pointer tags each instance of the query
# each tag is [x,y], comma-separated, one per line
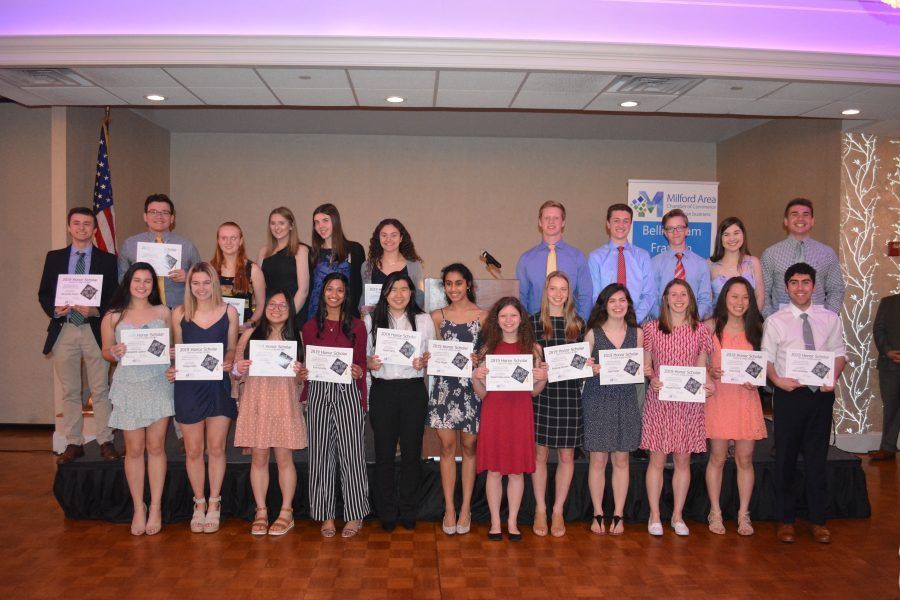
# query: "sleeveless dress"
[452,403]
[140,394]
[674,426]
[280,273]
[227,285]
[317,276]
[719,282]
[733,412]
[199,400]
[557,410]
[612,414]
[506,439]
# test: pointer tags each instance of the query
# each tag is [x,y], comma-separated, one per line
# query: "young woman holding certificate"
[203,407]
[612,413]
[337,412]
[391,250]
[270,415]
[453,406]
[239,277]
[557,410]
[284,260]
[506,442]
[333,253]
[677,339]
[141,396]
[734,411]
[398,399]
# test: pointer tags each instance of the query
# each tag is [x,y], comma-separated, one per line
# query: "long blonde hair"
[573,323]
[190,303]
[293,237]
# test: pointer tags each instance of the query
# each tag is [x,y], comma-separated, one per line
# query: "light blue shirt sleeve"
[524,283]
[584,297]
[647,296]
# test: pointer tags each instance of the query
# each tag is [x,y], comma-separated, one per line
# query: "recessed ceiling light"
[155,98]
[628,104]
[395,99]
[850,111]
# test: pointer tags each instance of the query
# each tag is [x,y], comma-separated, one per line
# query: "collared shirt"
[829,290]
[531,271]
[696,271]
[783,331]
[424,325]
[603,264]
[189,257]
[73,258]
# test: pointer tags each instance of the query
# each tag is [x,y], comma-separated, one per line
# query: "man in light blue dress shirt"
[531,270]
[678,257]
[603,263]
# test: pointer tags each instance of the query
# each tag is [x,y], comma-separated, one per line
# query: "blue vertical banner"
[650,200]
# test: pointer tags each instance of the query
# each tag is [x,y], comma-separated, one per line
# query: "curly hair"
[407,248]
[492,335]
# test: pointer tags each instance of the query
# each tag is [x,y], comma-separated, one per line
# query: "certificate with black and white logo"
[329,364]
[450,359]
[397,346]
[239,304]
[272,358]
[743,366]
[78,290]
[162,257]
[568,361]
[621,366]
[509,372]
[371,294]
[199,362]
[682,384]
[811,367]
[145,347]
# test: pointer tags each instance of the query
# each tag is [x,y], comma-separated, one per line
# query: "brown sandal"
[260,525]
[540,524]
[283,525]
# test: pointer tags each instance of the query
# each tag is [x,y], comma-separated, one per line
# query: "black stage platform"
[91,488]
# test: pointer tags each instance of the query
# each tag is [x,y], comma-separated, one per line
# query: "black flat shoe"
[495,537]
[409,524]
[515,537]
[388,526]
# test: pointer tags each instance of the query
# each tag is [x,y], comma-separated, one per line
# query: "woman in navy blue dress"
[205,408]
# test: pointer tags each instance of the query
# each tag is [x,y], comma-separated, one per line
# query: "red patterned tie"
[679,267]
[620,274]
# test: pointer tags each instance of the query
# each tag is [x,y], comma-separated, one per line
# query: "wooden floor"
[43,555]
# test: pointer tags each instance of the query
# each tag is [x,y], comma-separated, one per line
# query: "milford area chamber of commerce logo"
[645,206]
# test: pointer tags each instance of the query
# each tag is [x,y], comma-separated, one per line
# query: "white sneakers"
[656,529]
[680,528]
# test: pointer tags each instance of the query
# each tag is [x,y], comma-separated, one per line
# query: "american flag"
[105,236]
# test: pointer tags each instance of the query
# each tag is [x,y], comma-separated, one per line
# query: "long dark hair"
[407,248]
[346,317]
[381,314]
[289,333]
[491,334]
[121,298]
[600,314]
[665,313]
[339,245]
[719,250]
[753,320]
[466,274]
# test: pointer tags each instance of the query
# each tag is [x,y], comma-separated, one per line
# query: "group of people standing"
[680,309]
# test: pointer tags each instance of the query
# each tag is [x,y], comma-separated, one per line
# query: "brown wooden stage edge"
[44,555]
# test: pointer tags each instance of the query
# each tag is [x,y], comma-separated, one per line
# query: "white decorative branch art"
[894,187]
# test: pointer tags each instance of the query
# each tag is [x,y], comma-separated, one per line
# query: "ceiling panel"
[566,83]
[412,97]
[877,94]
[298,79]
[480,80]
[254,96]
[127,76]
[700,104]
[75,96]
[777,108]
[867,111]
[316,97]
[175,96]
[382,79]
[646,102]
[474,99]
[734,88]
[826,92]
[212,77]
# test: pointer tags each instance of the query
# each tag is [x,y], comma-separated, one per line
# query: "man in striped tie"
[74,334]
[680,262]
[803,414]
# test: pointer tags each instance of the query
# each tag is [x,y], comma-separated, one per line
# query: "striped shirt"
[829,289]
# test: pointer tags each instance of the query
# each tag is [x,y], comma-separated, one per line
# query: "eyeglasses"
[675,229]
[277,306]
[159,213]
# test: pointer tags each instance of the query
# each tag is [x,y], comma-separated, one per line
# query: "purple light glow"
[864,27]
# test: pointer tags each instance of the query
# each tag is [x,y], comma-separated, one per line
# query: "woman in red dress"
[506,437]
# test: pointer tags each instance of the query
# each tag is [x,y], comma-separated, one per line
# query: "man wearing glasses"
[679,262]
[159,215]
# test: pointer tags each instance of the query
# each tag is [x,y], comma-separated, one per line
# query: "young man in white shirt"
[803,414]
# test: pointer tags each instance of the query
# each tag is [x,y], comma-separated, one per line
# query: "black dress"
[280,271]
[227,285]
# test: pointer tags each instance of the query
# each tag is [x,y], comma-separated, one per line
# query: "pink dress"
[674,426]
[269,415]
[733,412]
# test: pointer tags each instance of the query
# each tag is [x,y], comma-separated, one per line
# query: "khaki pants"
[74,344]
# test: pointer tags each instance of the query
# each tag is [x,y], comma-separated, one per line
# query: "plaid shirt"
[829,290]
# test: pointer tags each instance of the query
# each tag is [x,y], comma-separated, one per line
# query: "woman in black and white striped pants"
[336,417]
